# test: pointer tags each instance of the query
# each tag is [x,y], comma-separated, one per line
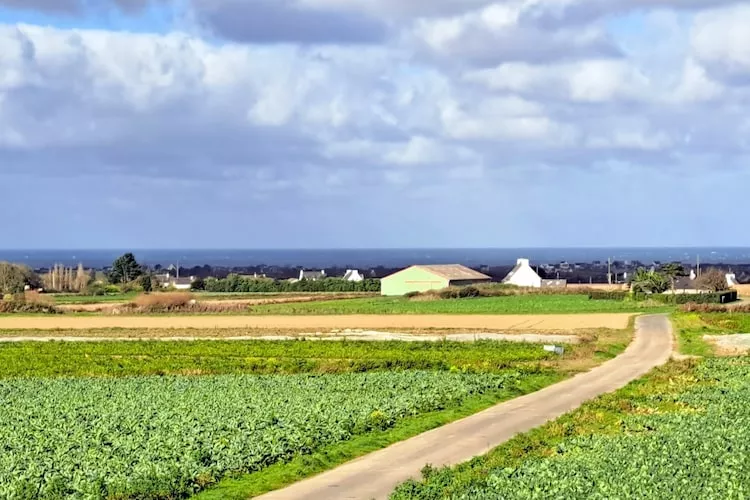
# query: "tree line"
[235,283]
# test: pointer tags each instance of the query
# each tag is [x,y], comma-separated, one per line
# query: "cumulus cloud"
[720,41]
[497,33]
[368,112]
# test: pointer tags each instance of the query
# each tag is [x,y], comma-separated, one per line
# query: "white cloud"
[720,41]
[594,80]
[477,96]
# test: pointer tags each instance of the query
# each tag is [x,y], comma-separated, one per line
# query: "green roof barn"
[424,278]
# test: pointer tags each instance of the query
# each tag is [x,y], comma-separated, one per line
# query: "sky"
[373,123]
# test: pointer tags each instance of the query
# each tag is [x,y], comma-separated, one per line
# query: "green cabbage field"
[667,443]
[167,437]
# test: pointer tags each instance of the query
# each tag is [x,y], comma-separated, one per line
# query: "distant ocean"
[361,258]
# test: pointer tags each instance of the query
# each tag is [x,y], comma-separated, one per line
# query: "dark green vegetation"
[691,327]
[333,401]
[513,304]
[108,359]
[691,298]
[279,475]
[683,431]
[125,269]
[167,437]
[240,284]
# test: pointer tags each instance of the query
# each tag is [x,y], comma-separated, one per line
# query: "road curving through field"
[377,474]
[481,322]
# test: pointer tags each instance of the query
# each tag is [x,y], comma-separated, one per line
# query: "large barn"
[424,278]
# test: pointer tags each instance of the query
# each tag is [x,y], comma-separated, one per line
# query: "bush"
[714,308]
[164,301]
[198,285]
[240,284]
[712,280]
[607,295]
[691,298]
[31,302]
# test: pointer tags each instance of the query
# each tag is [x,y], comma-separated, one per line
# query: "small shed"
[423,278]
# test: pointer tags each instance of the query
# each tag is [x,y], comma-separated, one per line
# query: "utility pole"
[609,270]
[698,266]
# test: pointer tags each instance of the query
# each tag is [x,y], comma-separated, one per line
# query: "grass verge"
[623,413]
[282,474]
[691,327]
[515,304]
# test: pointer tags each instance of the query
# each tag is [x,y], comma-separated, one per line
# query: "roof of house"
[684,283]
[521,263]
[313,275]
[454,272]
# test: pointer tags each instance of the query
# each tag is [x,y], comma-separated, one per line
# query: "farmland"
[114,359]
[681,432]
[513,304]
[71,414]
[84,437]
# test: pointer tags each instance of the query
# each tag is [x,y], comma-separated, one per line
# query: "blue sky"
[379,123]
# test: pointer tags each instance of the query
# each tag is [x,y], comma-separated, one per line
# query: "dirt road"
[377,474]
[537,323]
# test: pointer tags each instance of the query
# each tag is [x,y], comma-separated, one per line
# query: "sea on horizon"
[370,258]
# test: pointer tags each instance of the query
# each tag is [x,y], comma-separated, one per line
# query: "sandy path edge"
[541,322]
[377,474]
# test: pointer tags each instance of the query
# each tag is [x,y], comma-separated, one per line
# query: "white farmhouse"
[523,275]
[353,275]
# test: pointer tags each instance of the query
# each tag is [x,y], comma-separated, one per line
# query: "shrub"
[240,284]
[468,291]
[714,308]
[168,300]
[607,295]
[691,298]
[712,280]
[31,302]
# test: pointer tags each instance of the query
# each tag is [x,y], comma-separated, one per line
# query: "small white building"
[353,275]
[523,275]
[311,275]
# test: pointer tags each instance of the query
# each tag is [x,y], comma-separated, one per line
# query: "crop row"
[693,443]
[43,359]
[167,437]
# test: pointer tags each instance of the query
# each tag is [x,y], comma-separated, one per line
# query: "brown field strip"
[546,322]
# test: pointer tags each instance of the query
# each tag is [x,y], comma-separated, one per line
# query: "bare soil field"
[109,307]
[537,323]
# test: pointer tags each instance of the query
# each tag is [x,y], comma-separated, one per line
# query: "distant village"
[558,273]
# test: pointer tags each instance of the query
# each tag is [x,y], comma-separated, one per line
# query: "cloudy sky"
[373,123]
